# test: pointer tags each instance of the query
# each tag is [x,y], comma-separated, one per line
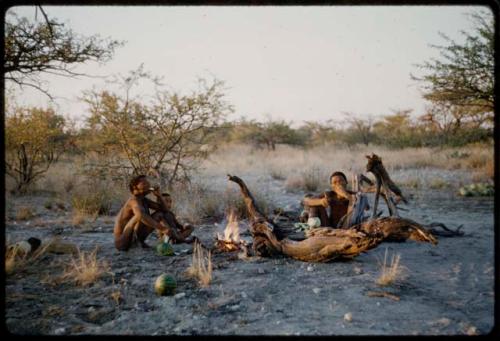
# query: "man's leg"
[320,212]
[142,232]
[123,241]
[182,235]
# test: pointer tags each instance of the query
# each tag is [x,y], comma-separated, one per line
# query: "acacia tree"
[47,47]
[395,130]
[268,133]
[360,129]
[320,133]
[463,76]
[34,139]
[168,135]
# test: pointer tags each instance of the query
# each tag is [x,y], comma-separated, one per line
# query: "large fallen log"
[326,244]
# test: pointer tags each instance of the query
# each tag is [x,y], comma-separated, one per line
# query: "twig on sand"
[382,294]
[448,232]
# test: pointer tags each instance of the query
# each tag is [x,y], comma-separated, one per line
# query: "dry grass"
[62,177]
[303,169]
[88,202]
[201,265]
[24,213]
[309,180]
[277,174]
[84,269]
[14,260]
[117,297]
[484,173]
[195,202]
[290,162]
[391,273]
[437,183]
[80,218]
[308,169]
[91,201]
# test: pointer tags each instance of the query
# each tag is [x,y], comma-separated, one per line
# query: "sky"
[297,63]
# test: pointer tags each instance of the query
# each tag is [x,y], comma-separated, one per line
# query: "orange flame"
[232,230]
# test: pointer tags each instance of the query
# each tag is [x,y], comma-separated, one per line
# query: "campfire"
[231,240]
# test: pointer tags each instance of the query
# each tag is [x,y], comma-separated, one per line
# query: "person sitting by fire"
[176,232]
[133,222]
[338,199]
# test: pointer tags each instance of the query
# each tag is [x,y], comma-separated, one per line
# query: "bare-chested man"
[177,232]
[337,199]
[134,222]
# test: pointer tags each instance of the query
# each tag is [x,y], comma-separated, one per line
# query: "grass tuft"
[391,273]
[84,269]
[201,265]
[24,213]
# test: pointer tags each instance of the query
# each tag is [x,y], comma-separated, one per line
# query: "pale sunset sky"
[295,63]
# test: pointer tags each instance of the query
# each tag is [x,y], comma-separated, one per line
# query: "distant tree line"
[437,127]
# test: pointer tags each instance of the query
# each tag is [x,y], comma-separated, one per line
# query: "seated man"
[177,232]
[337,199]
[134,222]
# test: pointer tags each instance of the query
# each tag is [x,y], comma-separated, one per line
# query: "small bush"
[24,213]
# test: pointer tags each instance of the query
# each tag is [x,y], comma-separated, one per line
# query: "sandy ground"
[448,288]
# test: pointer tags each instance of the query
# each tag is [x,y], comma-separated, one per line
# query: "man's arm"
[319,200]
[145,218]
[343,192]
[178,225]
[157,206]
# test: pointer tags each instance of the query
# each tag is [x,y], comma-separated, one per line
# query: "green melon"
[164,249]
[165,285]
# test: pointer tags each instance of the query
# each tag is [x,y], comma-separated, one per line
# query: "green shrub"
[477,190]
